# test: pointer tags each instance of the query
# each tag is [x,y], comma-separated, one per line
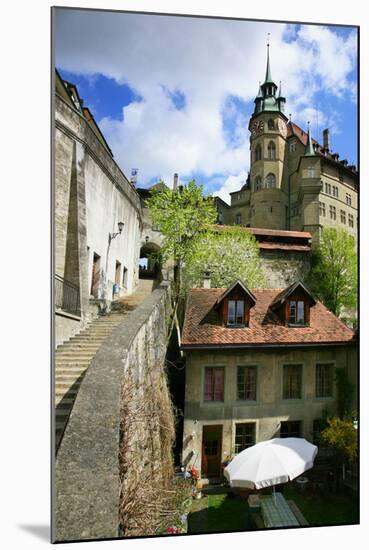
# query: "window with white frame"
[244,436]
[246,383]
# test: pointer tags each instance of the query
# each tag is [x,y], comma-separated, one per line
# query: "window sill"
[236,326]
[297,325]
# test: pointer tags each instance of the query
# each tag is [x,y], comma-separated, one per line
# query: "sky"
[175,94]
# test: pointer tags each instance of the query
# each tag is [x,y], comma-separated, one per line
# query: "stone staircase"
[73,358]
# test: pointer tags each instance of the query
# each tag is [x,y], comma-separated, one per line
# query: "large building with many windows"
[295,183]
[260,364]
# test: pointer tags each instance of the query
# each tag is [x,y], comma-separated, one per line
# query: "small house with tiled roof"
[295,183]
[260,363]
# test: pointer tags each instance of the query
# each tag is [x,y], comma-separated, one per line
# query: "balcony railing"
[67,296]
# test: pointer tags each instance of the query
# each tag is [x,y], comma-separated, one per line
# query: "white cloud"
[208,61]
[232,183]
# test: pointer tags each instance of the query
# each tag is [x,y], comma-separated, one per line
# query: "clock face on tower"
[257,127]
[282,128]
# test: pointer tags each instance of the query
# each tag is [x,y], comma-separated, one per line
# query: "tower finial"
[268,74]
[309,149]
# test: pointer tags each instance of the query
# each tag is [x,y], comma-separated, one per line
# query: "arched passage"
[149,263]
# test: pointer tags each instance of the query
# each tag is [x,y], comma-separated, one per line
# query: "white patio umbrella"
[271,462]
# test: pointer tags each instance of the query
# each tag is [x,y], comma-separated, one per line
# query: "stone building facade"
[95,258]
[259,364]
[294,183]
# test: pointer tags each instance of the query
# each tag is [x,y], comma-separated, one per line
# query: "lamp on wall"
[120,229]
[111,237]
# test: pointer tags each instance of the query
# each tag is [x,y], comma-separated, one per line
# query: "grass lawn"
[218,512]
[328,509]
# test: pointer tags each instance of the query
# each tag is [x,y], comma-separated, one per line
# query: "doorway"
[95,275]
[211,450]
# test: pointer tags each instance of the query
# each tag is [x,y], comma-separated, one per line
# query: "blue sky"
[175,94]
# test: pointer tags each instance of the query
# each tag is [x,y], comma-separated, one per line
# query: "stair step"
[65,372]
[71,364]
[66,387]
[66,377]
[79,346]
[75,356]
[68,401]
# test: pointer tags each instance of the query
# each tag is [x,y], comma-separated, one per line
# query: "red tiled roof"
[201,327]
[283,246]
[279,232]
[268,232]
[294,130]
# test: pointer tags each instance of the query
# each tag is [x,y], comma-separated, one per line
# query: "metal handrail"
[67,296]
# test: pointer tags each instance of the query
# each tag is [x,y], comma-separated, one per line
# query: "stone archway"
[149,265]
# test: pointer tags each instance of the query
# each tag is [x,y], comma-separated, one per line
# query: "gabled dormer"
[293,305]
[234,305]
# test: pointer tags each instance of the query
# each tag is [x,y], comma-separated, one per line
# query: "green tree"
[333,275]
[181,215]
[229,253]
[341,436]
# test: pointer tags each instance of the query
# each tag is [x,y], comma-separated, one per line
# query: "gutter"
[186,347]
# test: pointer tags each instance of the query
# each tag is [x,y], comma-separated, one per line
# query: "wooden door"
[211,450]
[95,273]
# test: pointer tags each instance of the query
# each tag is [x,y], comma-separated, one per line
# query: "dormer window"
[293,305]
[236,313]
[297,312]
[234,305]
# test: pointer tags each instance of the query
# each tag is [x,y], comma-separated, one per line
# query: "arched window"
[271,125]
[270,181]
[271,150]
[257,183]
[258,152]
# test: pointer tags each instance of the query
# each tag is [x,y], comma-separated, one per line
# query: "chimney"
[326,143]
[175,182]
[207,279]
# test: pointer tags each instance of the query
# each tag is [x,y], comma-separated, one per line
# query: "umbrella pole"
[274,497]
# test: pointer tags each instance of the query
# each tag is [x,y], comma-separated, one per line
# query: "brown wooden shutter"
[225,312]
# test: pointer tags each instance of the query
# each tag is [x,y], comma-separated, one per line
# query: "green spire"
[309,149]
[268,74]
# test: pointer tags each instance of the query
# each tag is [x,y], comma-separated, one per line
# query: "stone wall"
[86,498]
[91,196]
[283,268]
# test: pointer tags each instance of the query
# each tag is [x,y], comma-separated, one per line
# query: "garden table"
[276,512]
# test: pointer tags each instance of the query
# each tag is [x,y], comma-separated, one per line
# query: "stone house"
[96,257]
[295,183]
[259,364]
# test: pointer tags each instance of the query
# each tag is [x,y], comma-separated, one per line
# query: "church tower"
[268,176]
